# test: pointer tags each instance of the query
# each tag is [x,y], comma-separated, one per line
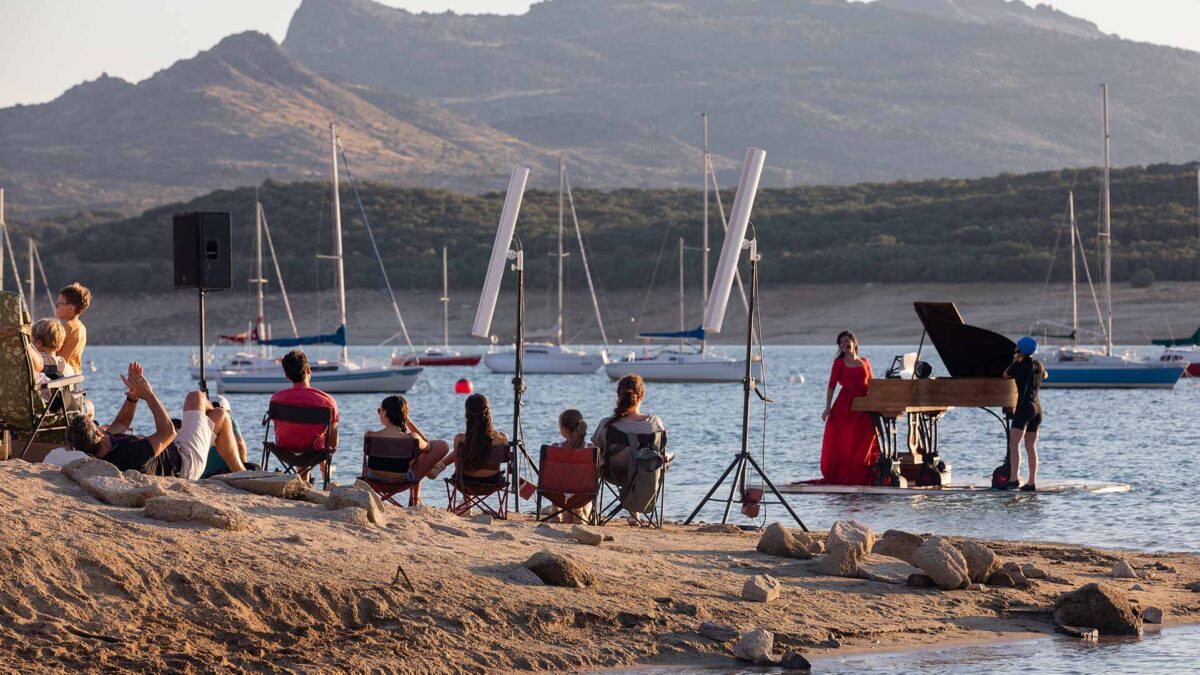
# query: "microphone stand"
[738,466]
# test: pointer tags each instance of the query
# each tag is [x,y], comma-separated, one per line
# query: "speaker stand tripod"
[738,467]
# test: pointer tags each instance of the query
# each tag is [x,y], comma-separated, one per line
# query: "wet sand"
[807,314]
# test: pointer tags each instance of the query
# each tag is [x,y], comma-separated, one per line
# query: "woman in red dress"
[849,451]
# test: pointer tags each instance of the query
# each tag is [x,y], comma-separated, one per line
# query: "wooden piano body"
[976,359]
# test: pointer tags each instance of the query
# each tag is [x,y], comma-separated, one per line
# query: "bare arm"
[124,418]
[35,358]
[422,439]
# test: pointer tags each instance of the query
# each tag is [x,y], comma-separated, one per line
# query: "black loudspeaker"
[203,252]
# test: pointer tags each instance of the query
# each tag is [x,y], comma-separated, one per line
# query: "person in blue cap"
[1027,416]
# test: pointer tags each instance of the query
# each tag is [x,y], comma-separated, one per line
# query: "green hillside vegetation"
[1002,228]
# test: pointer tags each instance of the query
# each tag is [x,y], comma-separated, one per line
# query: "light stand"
[738,466]
[517,255]
[203,353]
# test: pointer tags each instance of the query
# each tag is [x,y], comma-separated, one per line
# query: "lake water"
[1145,438]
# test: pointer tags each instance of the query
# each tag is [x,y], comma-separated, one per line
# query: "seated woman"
[627,418]
[471,449]
[393,415]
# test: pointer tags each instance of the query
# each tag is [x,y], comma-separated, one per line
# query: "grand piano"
[976,359]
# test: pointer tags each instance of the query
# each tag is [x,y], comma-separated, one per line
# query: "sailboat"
[1184,351]
[443,356]
[261,360]
[555,357]
[342,375]
[690,361]
[1074,367]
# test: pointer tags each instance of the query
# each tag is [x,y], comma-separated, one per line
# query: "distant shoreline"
[792,315]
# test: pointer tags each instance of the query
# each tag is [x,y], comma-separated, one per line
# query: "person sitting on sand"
[72,302]
[471,449]
[1027,416]
[165,452]
[216,464]
[393,415]
[627,418]
[47,337]
[296,437]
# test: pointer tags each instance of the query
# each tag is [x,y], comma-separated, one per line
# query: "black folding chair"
[464,492]
[393,456]
[299,460]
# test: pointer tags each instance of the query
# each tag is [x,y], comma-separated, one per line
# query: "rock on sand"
[1101,606]
[588,536]
[848,542]
[777,540]
[885,569]
[756,647]
[560,570]
[89,467]
[898,544]
[358,495]
[943,563]
[1123,570]
[760,588]
[190,509]
[981,562]
[118,491]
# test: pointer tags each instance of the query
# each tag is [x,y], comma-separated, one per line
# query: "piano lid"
[966,350]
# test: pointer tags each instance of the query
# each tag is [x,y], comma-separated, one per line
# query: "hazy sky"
[50,45]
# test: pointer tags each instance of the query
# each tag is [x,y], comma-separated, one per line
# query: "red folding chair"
[464,493]
[569,478]
[383,456]
[299,460]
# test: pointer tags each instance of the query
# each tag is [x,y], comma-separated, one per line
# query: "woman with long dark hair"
[627,418]
[849,450]
[471,448]
[393,415]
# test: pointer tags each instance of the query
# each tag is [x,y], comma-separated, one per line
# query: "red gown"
[849,452]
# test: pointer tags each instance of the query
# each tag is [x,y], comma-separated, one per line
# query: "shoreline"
[793,314]
[299,586]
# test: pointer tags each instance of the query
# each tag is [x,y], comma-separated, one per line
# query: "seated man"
[216,463]
[294,436]
[165,452]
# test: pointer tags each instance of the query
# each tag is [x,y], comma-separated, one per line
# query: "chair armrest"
[64,382]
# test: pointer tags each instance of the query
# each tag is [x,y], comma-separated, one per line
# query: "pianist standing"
[1027,416]
[849,451]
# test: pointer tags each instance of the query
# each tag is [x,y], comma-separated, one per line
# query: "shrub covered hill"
[1002,228]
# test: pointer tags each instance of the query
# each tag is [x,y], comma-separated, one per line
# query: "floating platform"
[1050,487]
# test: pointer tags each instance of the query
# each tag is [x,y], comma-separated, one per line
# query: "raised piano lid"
[967,351]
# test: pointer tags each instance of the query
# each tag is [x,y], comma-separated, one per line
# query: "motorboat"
[1187,356]
[436,357]
[241,361]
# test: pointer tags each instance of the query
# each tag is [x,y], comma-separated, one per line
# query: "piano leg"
[887,468]
[933,469]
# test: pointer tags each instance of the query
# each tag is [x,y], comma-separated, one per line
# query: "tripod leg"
[778,496]
[737,480]
[711,490]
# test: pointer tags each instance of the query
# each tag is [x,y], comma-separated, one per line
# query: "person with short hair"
[293,436]
[72,302]
[47,337]
[166,452]
[1028,373]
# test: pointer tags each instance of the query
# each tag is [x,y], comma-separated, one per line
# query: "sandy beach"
[292,586]
[805,314]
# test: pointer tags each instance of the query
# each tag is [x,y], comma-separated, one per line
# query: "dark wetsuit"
[1028,375]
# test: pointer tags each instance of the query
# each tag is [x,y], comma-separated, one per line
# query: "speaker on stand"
[203,260]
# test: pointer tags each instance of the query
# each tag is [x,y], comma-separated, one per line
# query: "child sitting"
[72,302]
[573,429]
[48,336]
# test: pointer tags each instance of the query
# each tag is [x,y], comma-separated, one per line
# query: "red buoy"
[463,386]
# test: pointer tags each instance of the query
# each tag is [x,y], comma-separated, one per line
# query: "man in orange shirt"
[72,302]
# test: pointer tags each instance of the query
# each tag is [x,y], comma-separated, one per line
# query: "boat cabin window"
[323,369]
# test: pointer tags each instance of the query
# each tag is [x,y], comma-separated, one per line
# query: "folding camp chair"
[613,482]
[23,411]
[299,460]
[464,493]
[569,478]
[392,455]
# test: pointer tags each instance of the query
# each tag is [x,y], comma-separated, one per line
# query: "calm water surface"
[1145,438]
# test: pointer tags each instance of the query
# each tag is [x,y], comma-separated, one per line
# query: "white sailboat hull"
[545,360]
[343,380]
[683,368]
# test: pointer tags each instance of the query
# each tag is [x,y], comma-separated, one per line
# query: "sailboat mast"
[445,302]
[337,233]
[704,178]
[32,284]
[682,313]
[3,229]
[561,174]
[1107,224]
[259,281]
[1074,283]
